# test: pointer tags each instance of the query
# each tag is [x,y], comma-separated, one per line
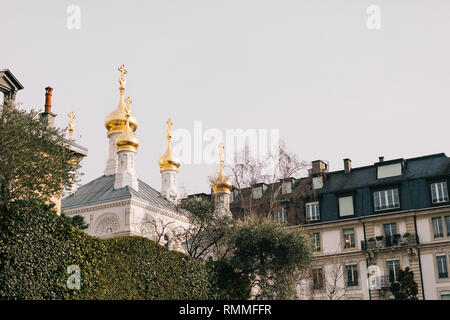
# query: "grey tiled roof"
[415,168]
[101,190]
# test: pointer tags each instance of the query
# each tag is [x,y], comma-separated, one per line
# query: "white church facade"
[119,203]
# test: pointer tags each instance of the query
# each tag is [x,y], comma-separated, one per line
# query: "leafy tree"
[34,164]
[76,221]
[208,233]
[405,288]
[269,256]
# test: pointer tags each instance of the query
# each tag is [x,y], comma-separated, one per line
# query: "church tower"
[115,124]
[126,144]
[169,165]
[221,187]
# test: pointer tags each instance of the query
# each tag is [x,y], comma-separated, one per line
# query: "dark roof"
[101,190]
[415,168]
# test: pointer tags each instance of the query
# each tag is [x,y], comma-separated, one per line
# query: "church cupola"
[221,187]
[115,123]
[126,145]
[169,165]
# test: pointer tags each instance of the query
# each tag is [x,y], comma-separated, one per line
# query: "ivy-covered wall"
[37,247]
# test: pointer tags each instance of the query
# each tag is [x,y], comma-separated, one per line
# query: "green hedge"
[37,246]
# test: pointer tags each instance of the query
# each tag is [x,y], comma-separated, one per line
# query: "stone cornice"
[129,201]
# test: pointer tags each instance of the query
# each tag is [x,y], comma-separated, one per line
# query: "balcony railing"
[380,282]
[396,241]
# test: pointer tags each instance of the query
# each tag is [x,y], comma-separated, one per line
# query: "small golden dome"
[221,183]
[116,120]
[168,159]
[127,140]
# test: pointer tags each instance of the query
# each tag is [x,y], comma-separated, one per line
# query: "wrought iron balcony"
[380,282]
[390,242]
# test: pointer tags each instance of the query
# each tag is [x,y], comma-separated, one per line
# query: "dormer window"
[386,199]
[389,169]
[258,190]
[439,192]
[346,206]
[234,194]
[286,186]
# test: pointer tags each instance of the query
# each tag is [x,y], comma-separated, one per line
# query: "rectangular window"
[282,216]
[386,199]
[286,187]
[447,225]
[349,238]
[312,211]
[390,170]
[352,275]
[441,261]
[316,242]
[346,206]
[390,229]
[439,192]
[393,266]
[445,295]
[256,192]
[317,278]
[437,228]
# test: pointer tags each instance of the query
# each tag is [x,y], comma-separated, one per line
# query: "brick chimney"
[47,116]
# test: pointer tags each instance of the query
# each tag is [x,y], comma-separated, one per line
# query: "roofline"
[13,78]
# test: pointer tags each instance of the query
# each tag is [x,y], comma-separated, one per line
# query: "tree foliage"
[207,233]
[270,256]
[405,288]
[76,221]
[37,246]
[34,164]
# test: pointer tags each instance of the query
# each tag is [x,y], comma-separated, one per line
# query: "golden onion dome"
[116,120]
[221,183]
[127,140]
[168,159]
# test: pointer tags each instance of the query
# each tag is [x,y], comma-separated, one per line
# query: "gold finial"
[122,80]
[169,161]
[128,101]
[71,124]
[169,129]
[221,148]
[221,183]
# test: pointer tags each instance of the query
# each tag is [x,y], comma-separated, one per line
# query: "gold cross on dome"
[123,72]
[169,129]
[71,124]
[221,148]
[128,101]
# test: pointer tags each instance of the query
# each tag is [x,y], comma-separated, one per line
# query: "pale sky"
[312,69]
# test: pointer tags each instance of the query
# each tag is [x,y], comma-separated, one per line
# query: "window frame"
[430,190]
[343,238]
[346,195]
[317,211]
[437,256]
[354,284]
[388,273]
[386,188]
[320,285]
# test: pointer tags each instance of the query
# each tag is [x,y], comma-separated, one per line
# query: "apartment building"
[366,224]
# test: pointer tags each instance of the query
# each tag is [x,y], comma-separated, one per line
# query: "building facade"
[366,224]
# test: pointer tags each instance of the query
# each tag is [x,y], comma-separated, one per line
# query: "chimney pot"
[347,165]
[48,99]
[381,159]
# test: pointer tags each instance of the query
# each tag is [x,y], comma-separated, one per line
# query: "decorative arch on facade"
[107,224]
